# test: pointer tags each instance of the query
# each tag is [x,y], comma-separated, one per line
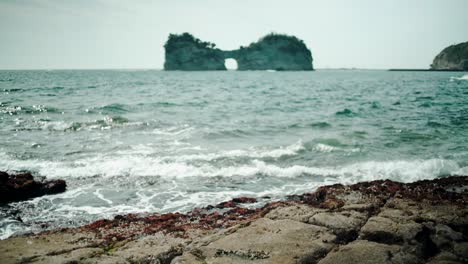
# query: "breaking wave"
[130,166]
[461,78]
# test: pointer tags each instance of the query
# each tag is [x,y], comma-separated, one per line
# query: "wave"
[320,125]
[113,108]
[461,78]
[345,112]
[35,109]
[107,122]
[136,166]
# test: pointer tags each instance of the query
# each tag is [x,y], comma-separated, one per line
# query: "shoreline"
[376,222]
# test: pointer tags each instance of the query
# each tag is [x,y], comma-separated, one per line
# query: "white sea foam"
[10,227]
[324,148]
[135,166]
[172,131]
[100,196]
[461,78]
[290,150]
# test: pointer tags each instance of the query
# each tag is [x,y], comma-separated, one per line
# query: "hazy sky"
[52,34]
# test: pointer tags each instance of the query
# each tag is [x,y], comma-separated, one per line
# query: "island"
[272,52]
[452,58]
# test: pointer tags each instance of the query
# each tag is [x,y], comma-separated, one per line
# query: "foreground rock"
[454,58]
[22,186]
[272,52]
[369,222]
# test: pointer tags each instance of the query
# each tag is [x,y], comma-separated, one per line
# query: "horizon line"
[162,69]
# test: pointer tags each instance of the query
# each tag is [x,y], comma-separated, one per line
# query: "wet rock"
[22,186]
[236,201]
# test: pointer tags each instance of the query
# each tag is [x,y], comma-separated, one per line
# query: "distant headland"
[452,58]
[272,52]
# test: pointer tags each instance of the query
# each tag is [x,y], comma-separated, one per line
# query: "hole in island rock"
[231,64]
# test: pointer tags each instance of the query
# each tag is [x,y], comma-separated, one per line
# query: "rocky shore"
[368,222]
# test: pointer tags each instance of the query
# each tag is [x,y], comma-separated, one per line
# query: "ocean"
[134,141]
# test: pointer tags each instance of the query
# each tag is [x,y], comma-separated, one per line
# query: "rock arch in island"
[272,52]
[231,64]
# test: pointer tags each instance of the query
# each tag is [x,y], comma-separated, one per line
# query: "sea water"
[153,141]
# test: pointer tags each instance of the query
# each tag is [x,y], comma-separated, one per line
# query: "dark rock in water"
[234,202]
[272,52]
[22,186]
[453,58]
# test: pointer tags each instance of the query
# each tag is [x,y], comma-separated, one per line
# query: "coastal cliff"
[369,222]
[272,52]
[453,58]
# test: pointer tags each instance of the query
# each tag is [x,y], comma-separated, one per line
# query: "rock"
[272,52]
[153,249]
[368,222]
[362,251]
[22,186]
[461,250]
[44,248]
[444,258]
[345,225]
[300,213]
[234,202]
[270,241]
[444,237]
[385,230]
[454,58]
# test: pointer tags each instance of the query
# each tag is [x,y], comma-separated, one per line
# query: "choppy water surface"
[138,141]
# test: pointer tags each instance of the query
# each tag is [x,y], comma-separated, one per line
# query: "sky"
[104,34]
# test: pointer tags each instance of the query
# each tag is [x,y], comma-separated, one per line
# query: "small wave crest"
[34,109]
[105,123]
[461,78]
[345,112]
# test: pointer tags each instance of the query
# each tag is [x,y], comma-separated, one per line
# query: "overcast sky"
[55,34]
